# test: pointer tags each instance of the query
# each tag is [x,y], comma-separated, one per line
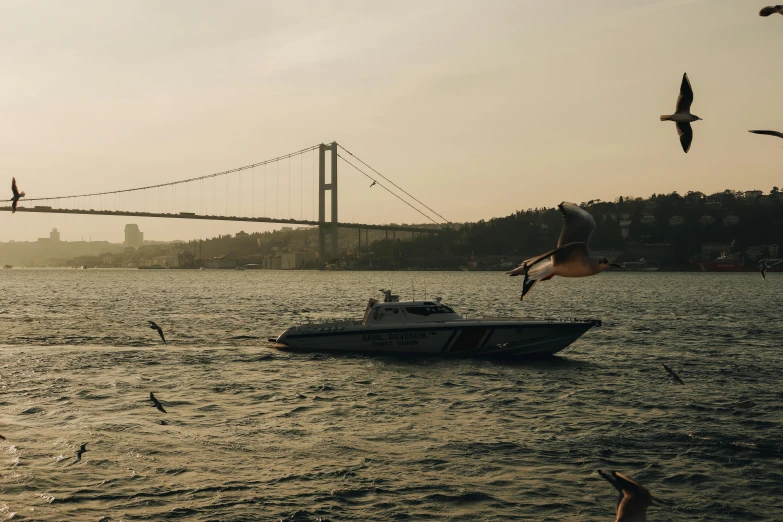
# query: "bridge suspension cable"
[390,181]
[172,183]
[387,189]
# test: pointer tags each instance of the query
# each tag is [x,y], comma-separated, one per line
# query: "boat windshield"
[428,310]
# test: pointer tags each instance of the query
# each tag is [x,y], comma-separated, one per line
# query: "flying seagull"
[672,374]
[633,500]
[373,183]
[159,329]
[17,195]
[571,258]
[682,116]
[768,133]
[156,403]
[763,267]
[1,437]
[79,452]
[771,9]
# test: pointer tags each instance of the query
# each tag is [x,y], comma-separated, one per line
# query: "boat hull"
[456,339]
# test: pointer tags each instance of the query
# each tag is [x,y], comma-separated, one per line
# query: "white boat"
[431,327]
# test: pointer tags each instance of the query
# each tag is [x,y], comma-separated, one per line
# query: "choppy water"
[258,434]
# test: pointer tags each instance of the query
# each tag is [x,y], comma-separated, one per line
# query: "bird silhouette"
[672,374]
[634,498]
[571,258]
[763,267]
[373,183]
[768,133]
[156,403]
[82,449]
[158,328]
[1,437]
[682,116]
[771,9]
[17,195]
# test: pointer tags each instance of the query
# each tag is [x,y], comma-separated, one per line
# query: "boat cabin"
[393,311]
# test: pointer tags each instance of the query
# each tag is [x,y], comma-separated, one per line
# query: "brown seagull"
[682,116]
[672,374]
[17,195]
[79,452]
[156,403]
[154,326]
[633,500]
[571,258]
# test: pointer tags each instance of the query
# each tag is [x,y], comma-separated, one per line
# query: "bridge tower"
[323,226]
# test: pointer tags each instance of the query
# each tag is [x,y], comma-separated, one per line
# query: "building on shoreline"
[133,236]
[54,237]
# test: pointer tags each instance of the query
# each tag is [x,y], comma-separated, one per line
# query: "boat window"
[428,310]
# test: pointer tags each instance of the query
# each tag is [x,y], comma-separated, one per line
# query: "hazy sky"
[478,108]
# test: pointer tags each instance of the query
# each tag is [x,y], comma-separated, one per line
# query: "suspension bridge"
[230,196]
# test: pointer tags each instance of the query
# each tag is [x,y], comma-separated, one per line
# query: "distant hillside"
[666,229]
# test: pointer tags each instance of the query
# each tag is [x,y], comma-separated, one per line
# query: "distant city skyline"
[477,109]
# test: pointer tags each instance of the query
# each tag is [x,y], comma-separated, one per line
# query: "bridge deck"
[191,215]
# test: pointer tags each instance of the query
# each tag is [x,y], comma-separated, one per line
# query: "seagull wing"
[153,325]
[766,11]
[634,501]
[672,374]
[609,477]
[160,331]
[527,264]
[686,95]
[568,252]
[628,484]
[152,398]
[768,133]
[686,135]
[629,491]
[534,270]
[13,187]
[578,225]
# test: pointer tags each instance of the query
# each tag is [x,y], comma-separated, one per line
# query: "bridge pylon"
[323,225]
